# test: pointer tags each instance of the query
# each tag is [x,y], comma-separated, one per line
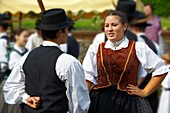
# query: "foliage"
[81,24]
[88,24]
[161,7]
[26,23]
[85,24]
[165,23]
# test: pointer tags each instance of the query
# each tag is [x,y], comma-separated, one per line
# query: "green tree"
[161,7]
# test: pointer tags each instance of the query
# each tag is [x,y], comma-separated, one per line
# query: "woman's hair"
[19,31]
[5,26]
[149,4]
[123,17]
[166,58]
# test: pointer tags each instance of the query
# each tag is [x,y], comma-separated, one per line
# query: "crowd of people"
[121,71]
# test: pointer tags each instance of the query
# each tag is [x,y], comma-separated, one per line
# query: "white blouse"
[166,81]
[147,58]
[3,53]
[34,41]
[14,56]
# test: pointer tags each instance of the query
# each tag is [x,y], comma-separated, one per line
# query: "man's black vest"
[150,44]
[73,46]
[41,80]
[131,36]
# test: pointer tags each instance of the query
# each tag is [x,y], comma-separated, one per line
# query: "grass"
[84,24]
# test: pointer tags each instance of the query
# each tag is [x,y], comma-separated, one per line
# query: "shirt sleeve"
[149,60]
[13,58]
[29,44]
[141,73]
[3,55]
[99,38]
[166,81]
[90,64]
[14,87]
[70,70]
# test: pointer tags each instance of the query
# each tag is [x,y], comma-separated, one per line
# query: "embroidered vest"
[117,67]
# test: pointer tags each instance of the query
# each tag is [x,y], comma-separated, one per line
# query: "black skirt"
[112,100]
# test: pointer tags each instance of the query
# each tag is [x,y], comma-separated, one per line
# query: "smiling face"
[22,38]
[114,29]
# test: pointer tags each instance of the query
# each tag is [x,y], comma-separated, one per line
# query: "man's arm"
[71,72]
[14,87]
[77,89]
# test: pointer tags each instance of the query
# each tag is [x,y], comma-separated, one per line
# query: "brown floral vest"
[117,67]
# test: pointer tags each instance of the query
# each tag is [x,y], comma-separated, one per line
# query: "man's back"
[42,81]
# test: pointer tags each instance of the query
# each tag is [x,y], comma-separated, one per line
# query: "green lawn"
[84,24]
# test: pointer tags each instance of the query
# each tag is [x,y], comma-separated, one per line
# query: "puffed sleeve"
[90,64]
[149,60]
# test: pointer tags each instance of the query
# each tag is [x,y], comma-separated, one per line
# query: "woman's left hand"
[134,90]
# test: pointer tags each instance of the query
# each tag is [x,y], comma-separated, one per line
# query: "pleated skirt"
[112,100]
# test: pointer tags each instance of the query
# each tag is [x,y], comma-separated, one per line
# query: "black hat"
[37,24]
[72,26]
[128,7]
[141,20]
[54,19]
[3,19]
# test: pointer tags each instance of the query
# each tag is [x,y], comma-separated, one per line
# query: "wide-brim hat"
[37,24]
[71,20]
[54,19]
[140,20]
[4,19]
[128,7]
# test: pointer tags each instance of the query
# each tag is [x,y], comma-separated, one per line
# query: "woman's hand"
[89,84]
[33,102]
[134,90]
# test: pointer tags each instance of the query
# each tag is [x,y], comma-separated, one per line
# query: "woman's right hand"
[89,84]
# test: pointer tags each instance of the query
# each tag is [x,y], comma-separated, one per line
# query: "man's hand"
[33,102]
